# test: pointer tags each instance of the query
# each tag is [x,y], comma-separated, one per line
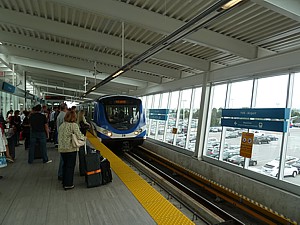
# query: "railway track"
[207,203]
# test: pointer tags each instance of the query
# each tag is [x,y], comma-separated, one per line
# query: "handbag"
[77,142]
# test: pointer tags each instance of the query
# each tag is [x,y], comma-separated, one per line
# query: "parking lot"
[265,153]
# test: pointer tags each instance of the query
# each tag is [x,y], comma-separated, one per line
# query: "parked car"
[273,170]
[288,159]
[229,154]
[261,140]
[297,165]
[239,160]
[231,135]
[272,137]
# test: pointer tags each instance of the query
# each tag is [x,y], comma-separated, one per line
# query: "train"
[117,120]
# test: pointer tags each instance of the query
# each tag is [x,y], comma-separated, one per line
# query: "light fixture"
[93,88]
[1,43]
[118,73]
[230,4]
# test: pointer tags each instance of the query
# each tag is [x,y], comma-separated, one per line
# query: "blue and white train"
[118,120]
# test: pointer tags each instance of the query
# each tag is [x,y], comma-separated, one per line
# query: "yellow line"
[161,210]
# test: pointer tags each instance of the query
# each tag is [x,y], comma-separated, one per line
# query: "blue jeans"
[42,139]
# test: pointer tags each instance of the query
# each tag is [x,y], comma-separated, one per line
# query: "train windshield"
[123,114]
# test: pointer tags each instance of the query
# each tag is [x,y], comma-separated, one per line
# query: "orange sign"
[246,144]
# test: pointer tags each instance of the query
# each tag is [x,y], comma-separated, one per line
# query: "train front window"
[122,117]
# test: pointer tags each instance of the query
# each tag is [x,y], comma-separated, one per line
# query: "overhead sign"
[8,87]
[271,113]
[271,119]
[246,144]
[55,97]
[158,114]
[280,126]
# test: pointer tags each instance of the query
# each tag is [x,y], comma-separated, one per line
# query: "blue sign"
[8,87]
[265,113]
[280,126]
[159,111]
[158,114]
[158,117]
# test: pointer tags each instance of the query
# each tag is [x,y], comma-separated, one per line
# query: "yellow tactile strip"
[161,210]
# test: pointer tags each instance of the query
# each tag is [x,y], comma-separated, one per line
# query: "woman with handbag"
[66,148]
[81,121]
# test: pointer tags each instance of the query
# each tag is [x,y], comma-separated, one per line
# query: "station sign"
[279,126]
[270,113]
[246,144]
[271,119]
[158,114]
[55,97]
[8,87]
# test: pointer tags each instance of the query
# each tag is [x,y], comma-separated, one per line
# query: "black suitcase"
[81,154]
[93,176]
[105,171]
[37,151]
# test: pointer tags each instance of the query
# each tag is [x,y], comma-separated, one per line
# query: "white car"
[272,169]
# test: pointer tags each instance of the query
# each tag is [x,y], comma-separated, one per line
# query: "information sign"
[270,113]
[158,114]
[279,126]
[246,144]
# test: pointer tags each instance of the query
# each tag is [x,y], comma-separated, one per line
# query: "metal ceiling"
[60,42]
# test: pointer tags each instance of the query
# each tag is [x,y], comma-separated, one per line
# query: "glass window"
[162,127]
[214,136]
[172,116]
[293,144]
[184,117]
[239,96]
[271,93]
[154,122]
[194,121]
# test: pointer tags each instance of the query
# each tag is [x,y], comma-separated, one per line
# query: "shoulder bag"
[77,142]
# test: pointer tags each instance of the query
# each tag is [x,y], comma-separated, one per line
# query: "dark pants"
[11,146]
[69,159]
[42,139]
[26,136]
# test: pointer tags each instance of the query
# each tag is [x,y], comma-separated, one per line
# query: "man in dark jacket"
[39,132]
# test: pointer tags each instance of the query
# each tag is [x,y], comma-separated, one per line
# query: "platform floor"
[32,195]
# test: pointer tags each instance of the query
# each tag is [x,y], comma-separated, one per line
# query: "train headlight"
[107,133]
[137,132]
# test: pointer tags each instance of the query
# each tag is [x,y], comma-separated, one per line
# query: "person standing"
[26,129]
[81,121]
[39,132]
[66,149]
[59,121]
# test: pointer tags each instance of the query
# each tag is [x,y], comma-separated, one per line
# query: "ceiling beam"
[64,49]
[72,66]
[88,36]
[280,63]
[289,8]
[153,21]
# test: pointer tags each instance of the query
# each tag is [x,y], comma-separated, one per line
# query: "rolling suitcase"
[81,154]
[93,177]
[105,171]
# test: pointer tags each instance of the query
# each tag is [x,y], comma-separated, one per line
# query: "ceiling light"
[118,73]
[93,88]
[230,4]
[1,43]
